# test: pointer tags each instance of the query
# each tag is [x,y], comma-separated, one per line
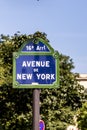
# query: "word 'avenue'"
[36,64]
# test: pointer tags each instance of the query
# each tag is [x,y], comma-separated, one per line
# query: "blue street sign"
[41,125]
[35,65]
[35,69]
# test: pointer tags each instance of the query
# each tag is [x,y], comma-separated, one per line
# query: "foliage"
[82,117]
[57,105]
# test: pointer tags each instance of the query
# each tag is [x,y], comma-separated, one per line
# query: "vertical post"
[36,109]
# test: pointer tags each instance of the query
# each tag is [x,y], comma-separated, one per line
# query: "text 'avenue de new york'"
[35,66]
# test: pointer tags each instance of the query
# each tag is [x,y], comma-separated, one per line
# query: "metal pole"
[36,109]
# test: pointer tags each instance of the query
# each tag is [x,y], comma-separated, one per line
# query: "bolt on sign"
[36,65]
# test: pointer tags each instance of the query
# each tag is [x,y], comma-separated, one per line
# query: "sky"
[64,22]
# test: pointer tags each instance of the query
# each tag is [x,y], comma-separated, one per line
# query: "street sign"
[35,69]
[41,125]
[36,65]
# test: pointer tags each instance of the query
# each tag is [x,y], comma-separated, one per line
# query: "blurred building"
[83,80]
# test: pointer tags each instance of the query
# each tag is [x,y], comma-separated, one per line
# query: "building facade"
[83,80]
